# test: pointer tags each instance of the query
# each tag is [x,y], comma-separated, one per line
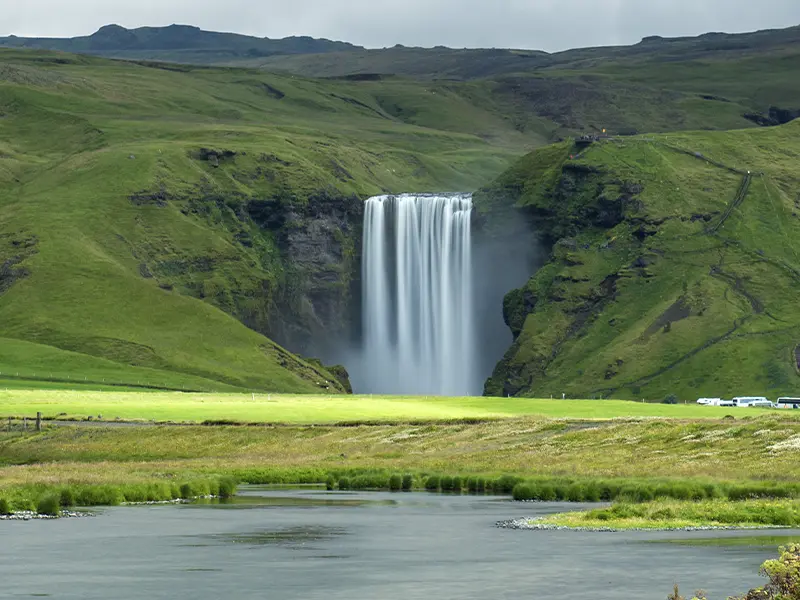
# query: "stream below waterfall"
[316,545]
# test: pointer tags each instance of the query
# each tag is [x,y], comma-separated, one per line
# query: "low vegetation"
[627,460]
[679,514]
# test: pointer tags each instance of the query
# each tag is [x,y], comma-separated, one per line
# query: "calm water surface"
[320,545]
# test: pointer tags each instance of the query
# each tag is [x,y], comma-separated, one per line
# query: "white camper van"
[751,401]
[709,401]
[785,402]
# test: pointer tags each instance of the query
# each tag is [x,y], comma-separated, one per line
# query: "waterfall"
[419,326]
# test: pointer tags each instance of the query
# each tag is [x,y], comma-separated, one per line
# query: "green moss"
[647,293]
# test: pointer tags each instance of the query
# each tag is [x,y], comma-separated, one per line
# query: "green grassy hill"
[160,224]
[157,222]
[674,267]
[713,81]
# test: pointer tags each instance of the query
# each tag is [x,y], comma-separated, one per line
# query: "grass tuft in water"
[395,483]
[49,505]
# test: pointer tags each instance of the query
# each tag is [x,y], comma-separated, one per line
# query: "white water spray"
[419,326]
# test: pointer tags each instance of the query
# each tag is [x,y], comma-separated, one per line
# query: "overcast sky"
[540,24]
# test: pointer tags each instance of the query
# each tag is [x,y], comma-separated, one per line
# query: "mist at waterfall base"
[432,297]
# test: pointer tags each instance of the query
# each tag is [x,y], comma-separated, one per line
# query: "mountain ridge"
[150,42]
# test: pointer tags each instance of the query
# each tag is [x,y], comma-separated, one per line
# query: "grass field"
[313,409]
[577,447]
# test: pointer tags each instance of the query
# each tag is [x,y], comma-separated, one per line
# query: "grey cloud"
[541,24]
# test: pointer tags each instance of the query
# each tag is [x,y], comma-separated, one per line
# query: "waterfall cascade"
[419,326]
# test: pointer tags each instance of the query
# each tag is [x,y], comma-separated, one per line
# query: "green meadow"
[317,409]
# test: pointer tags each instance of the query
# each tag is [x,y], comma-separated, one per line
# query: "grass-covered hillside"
[713,81]
[674,267]
[160,224]
[157,222]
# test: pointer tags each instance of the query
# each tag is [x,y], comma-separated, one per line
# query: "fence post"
[38,421]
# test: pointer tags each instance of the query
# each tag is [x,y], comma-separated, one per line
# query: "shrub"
[99,495]
[591,493]
[330,483]
[472,485]
[505,485]
[575,493]
[186,491]
[481,485]
[457,484]
[5,507]
[522,491]
[432,483]
[446,483]
[67,498]
[48,505]
[344,483]
[671,399]
[547,493]
[408,483]
[227,487]
[395,483]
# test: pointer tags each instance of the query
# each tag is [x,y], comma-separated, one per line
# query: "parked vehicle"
[744,401]
[761,404]
[709,401]
[785,402]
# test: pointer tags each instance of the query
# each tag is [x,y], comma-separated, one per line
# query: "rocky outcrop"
[13,251]
[775,116]
[319,242]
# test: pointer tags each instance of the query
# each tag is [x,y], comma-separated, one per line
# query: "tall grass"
[783,513]
[637,491]
[48,505]
[32,497]
[544,489]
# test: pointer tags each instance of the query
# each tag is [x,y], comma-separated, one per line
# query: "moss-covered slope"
[673,267]
[160,224]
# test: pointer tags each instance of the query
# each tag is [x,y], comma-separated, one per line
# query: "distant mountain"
[448,63]
[179,43]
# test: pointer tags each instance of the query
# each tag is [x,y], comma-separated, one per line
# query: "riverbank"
[29,515]
[671,515]
[606,460]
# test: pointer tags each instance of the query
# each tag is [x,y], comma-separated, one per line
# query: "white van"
[744,401]
[785,402]
[709,401]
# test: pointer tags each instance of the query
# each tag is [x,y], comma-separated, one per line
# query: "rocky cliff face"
[285,263]
[319,242]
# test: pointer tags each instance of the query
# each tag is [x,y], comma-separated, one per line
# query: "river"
[311,544]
